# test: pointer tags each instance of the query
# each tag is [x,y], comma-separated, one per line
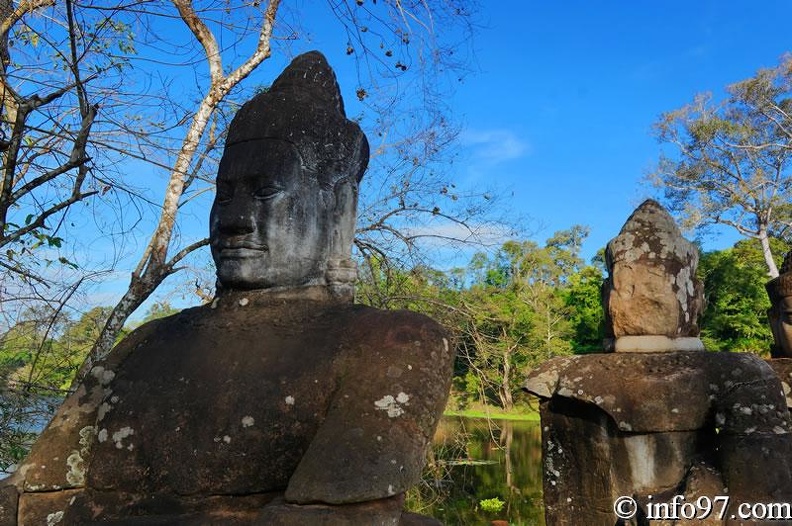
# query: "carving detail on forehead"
[257,156]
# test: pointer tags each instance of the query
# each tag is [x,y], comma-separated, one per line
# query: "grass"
[496,413]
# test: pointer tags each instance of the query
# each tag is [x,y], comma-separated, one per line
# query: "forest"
[507,312]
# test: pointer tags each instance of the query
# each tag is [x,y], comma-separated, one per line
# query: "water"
[477,460]
[473,460]
[23,416]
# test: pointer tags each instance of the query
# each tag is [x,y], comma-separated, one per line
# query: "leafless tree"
[153,82]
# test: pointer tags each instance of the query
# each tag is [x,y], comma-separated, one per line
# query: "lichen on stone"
[54,518]
[393,405]
[105,376]
[120,435]
[75,475]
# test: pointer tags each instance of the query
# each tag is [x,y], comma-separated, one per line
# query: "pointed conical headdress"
[304,107]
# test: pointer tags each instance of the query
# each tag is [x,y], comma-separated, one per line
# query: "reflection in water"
[476,459]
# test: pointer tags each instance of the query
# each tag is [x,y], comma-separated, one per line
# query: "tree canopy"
[735,318]
[731,160]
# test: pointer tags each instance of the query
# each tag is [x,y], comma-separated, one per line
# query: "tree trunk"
[506,395]
[154,266]
[764,239]
[506,440]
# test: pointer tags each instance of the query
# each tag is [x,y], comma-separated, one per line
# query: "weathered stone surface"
[652,288]
[653,392]
[9,500]
[279,403]
[379,513]
[644,344]
[783,369]
[638,424]
[780,313]
[276,512]
[38,509]
[588,463]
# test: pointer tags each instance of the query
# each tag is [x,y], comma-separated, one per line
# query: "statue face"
[780,316]
[269,224]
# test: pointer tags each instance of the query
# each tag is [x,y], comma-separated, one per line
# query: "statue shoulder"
[406,351]
[394,370]
[396,340]
[394,327]
[150,331]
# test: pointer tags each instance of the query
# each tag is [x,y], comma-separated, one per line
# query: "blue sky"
[562,104]
[558,107]
[559,104]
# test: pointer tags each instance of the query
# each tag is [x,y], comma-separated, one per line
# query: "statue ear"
[345,193]
[341,269]
[774,316]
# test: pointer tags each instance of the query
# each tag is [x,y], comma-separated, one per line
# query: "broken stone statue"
[780,317]
[659,416]
[282,402]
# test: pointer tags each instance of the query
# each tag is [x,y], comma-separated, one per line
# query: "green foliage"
[39,357]
[420,289]
[493,505]
[520,305]
[582,297]
[159,309]
[736,315]
[22,414]
[44,349]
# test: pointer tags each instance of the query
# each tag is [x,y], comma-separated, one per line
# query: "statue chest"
[213,409]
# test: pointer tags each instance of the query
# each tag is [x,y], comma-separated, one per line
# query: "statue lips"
[241,250]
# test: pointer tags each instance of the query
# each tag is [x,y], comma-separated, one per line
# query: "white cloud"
[494,146]
[442,233]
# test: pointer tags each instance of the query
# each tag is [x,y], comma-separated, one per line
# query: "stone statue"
[659,417]
[780,313]
[780,317]
[282,402]
[652,298]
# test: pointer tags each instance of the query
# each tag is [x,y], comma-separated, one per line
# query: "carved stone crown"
[781,286]
[304,107]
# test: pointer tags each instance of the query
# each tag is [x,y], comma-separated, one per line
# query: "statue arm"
[395,372]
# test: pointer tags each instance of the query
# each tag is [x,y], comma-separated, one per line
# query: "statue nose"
[236,222]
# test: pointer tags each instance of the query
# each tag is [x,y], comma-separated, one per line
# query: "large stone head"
[287,186]
[780,313]
[652,289]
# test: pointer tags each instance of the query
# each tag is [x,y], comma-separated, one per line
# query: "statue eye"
[266,192]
